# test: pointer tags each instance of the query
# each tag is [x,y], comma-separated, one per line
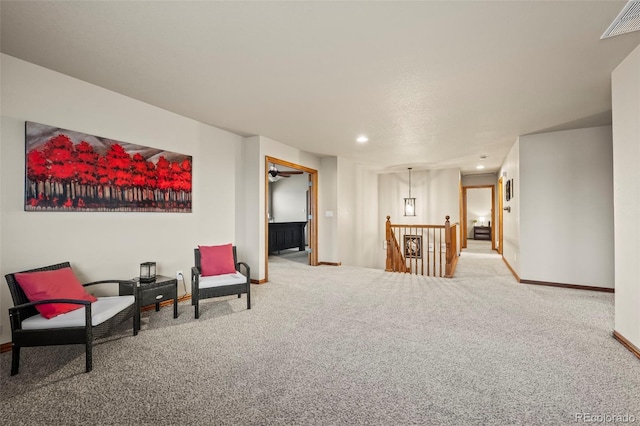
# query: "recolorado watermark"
[603,418]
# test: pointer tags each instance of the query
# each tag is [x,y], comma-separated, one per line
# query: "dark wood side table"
[482,233]
[155,292]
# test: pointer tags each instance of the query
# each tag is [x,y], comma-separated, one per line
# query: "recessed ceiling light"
[480,167]
[362,139]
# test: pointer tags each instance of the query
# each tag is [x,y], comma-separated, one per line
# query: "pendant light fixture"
[409,203]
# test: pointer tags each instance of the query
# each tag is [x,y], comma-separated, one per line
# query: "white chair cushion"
[101,310]
[221,280]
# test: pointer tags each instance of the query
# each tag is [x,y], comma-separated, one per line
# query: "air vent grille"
[627,21]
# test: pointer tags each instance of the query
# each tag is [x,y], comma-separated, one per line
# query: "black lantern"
[147,272]
[409,203]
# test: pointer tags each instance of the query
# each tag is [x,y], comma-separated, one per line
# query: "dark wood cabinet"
[285,235]
[482,233]
[153,293]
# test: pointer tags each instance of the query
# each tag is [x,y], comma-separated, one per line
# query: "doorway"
[478,217]
[310,195]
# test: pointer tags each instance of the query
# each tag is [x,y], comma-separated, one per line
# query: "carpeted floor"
[478,247]
[294,255]
[343,345]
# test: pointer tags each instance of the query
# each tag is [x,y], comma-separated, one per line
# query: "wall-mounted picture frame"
[412,246]
[513,189]
[70,171]
[507,190]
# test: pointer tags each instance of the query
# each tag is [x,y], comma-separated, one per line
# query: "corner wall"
[357,221]
[254,150]
[566,207]
[626,195]
[107,245]
[511,219]
[328,210]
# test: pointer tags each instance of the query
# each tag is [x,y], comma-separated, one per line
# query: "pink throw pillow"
[216,260]
[55,284]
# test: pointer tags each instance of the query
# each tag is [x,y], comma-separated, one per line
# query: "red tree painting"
[72,171]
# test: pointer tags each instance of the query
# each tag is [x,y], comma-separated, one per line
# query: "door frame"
[464,214]
[500,214]
[312,214]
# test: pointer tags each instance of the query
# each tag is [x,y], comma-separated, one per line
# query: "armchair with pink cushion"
[216,273]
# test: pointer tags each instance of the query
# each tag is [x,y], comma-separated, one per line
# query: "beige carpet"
[346,346]
[294,255]
[478,247]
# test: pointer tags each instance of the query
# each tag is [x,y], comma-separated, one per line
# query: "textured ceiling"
[432,84]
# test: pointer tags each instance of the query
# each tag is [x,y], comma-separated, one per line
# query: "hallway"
[479,260]
[479,248]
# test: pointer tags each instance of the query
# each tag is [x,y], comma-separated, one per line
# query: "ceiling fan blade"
[273,171]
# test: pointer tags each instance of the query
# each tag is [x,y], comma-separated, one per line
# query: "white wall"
[437,195]
[289,198]
[566,207]
[358,226]
[348,216]
[444,195]
[348,224]
[248,225]
[394,187]
[626,160]
[480,179]
[107,245]
[328,210]
[511,219]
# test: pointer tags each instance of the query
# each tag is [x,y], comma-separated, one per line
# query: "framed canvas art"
[67,170]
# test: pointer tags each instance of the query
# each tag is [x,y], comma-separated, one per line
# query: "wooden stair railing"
[395,259]
[422,249]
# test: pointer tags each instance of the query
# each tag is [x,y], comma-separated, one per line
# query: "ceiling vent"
[626,22]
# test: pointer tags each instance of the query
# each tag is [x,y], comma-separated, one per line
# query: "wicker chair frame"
[24,309]
[198,293]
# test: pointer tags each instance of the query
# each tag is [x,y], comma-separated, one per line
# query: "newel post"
[447,240]
[388,240]
[447,229]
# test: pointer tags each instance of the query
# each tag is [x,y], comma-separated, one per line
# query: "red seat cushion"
[56,284]
[216,260]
